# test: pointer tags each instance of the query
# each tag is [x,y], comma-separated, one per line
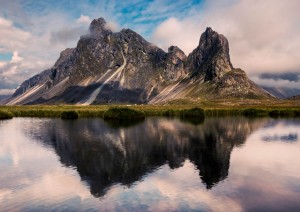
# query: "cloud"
[36,46]
[6,91]
[84,19]
[292,77]
[113,26]
[278,83]
[263,35]
[66,35]
[12,37]
[181,33]
[10,69]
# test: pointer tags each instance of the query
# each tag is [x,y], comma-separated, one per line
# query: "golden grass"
[212,108]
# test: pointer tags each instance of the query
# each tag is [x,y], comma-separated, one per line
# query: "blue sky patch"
[5,56]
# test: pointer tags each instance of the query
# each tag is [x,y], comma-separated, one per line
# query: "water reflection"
[283,133]
[104,155]
[155,165]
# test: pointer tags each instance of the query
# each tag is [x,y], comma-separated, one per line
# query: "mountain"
[282,92]
[295,97]
[123,67]
[3,98]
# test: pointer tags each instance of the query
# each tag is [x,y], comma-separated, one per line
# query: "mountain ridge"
[123,67]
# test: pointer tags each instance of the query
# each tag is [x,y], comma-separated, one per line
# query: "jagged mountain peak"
[98,27]
[211,58]
[123,67]
[176,51]
[130,36]
[210,40]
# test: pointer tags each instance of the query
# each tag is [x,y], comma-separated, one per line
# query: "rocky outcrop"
[123,67]
[211,58]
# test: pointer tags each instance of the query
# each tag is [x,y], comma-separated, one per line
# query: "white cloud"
[84,19]
[113,26]
[263,35]
[181,33]
[12,37]
[5,23]
[281,83]
[16,58]
[36,46]
[6,91]
[10,69]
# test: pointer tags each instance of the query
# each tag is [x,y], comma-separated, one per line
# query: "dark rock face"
[211,58]
[98,27]
[123,67]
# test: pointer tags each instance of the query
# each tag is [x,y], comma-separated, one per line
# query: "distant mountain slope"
[3,99]
[123,67]
[295,97]
[283,93]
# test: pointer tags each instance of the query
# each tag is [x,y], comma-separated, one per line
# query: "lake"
[159,164]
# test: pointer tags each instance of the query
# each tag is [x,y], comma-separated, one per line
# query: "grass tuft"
[192,113]
[254,112]
[69,115]
[169,113]
[194,116]
[123,113]
[5,114]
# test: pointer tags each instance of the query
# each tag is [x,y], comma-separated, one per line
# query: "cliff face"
[123,67]
[211,58]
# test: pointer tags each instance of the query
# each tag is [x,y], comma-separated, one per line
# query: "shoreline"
[248,110]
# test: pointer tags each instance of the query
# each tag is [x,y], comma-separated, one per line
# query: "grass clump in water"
[69,115]
[297,113]
[192,113]
[168,113]
[5,114]
[194,116]
[255,112]
[123,113]
[250,112]
[274,113]
[282,113]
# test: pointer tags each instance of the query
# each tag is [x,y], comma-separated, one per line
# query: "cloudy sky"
[264,35]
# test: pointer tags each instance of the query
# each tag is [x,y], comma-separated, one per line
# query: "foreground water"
[159,164]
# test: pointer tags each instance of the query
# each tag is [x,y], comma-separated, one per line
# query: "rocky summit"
[123,67]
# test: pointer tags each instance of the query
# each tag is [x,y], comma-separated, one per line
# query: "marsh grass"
[123,113]
[192,113]
[5,114]
[194,116]
[69,115]
[254,112]
[169,113]
[152,110]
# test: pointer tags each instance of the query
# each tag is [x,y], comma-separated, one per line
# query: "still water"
[223,164]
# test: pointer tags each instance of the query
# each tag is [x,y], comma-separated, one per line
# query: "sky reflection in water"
[159,164]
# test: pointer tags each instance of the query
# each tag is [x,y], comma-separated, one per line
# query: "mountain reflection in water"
[105,155]
[159,164]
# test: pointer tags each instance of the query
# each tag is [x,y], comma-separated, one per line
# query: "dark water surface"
[223,164]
